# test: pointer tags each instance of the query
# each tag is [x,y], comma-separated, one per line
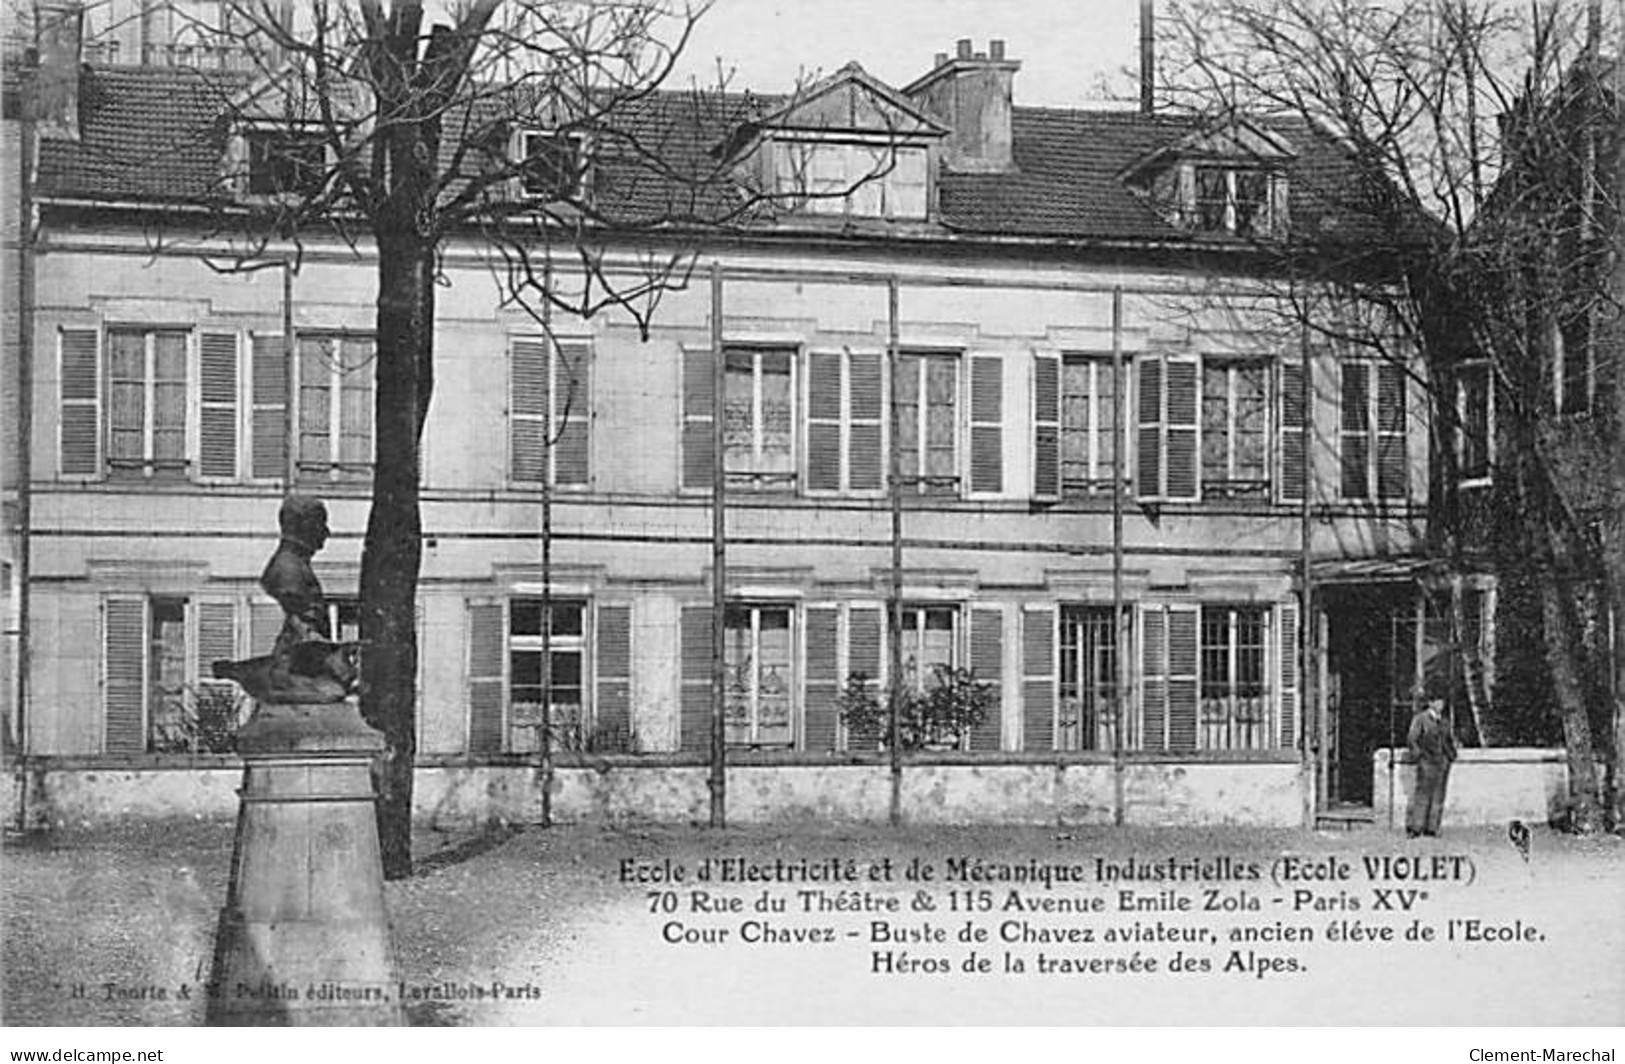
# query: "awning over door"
[1393,570]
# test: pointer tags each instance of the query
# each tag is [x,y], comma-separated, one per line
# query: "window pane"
[1210,199]
[1251,421]
[776,413]
[1252,201]
[567,618]
[1215,423]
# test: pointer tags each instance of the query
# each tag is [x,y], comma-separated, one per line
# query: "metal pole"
[718,781]
[1309,711]
[25,427]
[894,620]
[1119,627]
[552,359]
[290,378]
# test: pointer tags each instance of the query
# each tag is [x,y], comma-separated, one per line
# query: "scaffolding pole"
[1119,627]
[894,603]
[718,781]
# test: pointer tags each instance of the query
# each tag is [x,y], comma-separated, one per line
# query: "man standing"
[1432,747]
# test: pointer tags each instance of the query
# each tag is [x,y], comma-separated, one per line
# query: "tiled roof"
[155,134]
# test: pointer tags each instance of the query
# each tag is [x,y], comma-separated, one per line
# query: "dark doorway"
[1382,642]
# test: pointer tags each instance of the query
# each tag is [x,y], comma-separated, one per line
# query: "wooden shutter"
[269,401]
[1038,679]
[1154,677]
[1183,628]
[865,419]
[823,678]
[824,421]
[1181,417]
[1393,464]
[124,675]
[528,395]
[1046,427]
[1355,439]
[699,394]
[865,654]
[986,424]
[486,668]
[694,712]
[217,418]
[865,457]
[81,402]
[612,672]
[216,634]
[1294,433]
[1149,464]
[1287,662]
[987,660]
[572,453]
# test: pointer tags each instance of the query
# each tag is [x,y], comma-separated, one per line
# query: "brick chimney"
[970,93]
[58,38]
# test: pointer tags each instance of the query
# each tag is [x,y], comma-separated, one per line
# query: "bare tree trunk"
[1560,651]
[392,554]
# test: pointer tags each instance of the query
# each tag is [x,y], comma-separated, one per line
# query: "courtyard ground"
[549,910]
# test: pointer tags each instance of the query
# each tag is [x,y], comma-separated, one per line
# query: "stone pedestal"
[303,937]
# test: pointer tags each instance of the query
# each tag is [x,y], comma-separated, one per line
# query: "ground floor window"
[1087,709]
[1235,696]
[552,676]
[158,694]
[929,639]
[758,653]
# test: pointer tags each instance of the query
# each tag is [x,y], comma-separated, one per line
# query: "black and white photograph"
[813,513]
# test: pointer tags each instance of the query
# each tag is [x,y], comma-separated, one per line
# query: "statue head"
[303,520]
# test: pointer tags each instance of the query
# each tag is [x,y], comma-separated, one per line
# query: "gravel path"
[135,905]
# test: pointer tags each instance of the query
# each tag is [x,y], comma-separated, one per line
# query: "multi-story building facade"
[1023,306]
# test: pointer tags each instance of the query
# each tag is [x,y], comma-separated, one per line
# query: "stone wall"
[1486,786]
[1264,793]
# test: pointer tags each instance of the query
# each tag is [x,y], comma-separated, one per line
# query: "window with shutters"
[1373,455]
[1475,423]
[1088,679]
[549,412]
[1235,429]
[1088,444]
[758,654]
[335,406]
[928,423]
[1235,706]
[562,665]
[158,691]
[759,418]
[147,402]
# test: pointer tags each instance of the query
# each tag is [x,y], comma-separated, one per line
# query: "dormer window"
[552,164]
[1224,180]
[1234,200]
[286,162]
[852,179]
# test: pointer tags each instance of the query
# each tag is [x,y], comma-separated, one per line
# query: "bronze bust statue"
[305,666]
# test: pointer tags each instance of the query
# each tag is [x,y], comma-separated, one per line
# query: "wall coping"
[1485,755]
[608,762]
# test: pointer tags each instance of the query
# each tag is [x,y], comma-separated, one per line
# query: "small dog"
[1518,835]
[317,671]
